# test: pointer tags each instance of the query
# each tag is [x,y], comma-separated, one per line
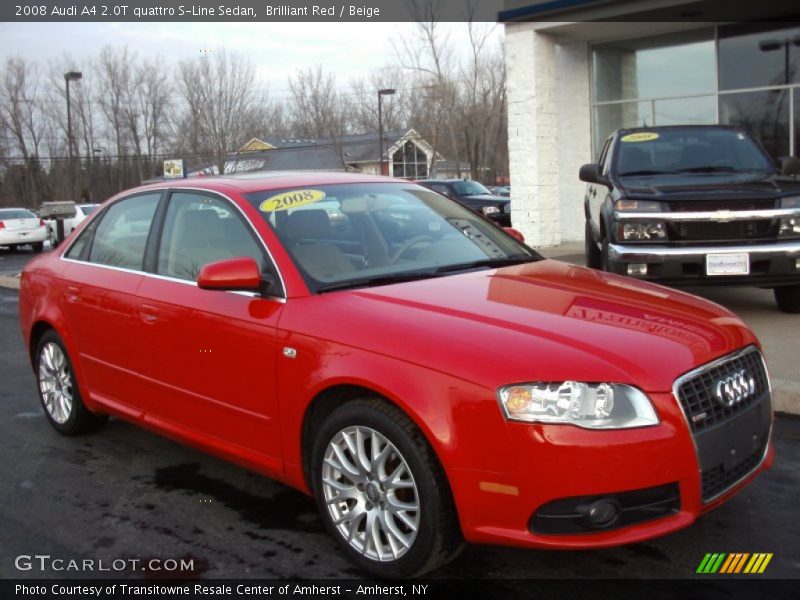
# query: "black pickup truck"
[695,205]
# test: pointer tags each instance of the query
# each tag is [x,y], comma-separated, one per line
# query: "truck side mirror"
[592,173]
[790,166]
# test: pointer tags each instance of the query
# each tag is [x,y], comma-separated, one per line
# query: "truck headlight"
[588,405]
[637,206]
[490,210]
[790,226]
[643,231]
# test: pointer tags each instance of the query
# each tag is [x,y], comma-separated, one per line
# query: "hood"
[729,185]
[543,321]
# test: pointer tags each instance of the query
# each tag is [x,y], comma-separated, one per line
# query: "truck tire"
[788,298]
[593,255]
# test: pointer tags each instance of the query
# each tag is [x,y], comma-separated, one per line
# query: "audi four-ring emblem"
[735,388]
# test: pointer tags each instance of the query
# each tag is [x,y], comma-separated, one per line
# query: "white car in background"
[81,212]
[20,227]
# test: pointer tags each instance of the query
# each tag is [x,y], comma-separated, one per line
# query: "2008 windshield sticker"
[292,199]
[647,136]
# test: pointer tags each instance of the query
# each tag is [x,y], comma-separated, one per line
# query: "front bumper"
[557,462]
[770,264]
[24,236]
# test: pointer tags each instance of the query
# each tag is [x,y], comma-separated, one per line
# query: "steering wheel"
[407,245]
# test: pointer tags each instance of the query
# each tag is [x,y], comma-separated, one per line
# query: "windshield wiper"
[488,262]
[416,275]
[377,280]
[643,172]
[709,169]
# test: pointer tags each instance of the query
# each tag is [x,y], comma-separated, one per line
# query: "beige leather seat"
[307,231]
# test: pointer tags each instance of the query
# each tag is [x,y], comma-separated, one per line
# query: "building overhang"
[597,20]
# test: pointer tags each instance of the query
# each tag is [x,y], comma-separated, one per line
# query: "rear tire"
[788,298]
[381,491]
[593,255]
[59,391]
[37,246]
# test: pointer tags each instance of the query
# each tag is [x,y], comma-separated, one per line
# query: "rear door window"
[121,236]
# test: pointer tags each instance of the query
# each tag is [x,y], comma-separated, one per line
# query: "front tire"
[593,257]
[788,298]
[381,491]
[59,391]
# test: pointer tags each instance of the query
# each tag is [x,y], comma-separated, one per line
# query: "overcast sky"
[277,49]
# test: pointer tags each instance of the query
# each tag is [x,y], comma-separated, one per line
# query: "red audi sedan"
[428,378]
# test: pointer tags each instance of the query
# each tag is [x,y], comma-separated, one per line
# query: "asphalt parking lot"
[127,493]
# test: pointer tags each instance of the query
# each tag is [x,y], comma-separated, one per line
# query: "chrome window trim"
[706,367]
[158,276]
[717,216]
[167,278]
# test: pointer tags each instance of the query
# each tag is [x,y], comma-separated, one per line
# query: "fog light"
[637,269]
[602,513]
[797,263]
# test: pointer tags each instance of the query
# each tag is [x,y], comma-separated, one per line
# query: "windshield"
[16,213]
[688,151]
[470,188]
[362,234]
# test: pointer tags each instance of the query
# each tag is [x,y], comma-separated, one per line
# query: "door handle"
[148,313]
[73,294]
[594,192]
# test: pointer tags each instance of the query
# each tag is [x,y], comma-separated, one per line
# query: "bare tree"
[220,103]
[24,124]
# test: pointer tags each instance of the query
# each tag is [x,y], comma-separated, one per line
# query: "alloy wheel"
[370,493]
[55,382]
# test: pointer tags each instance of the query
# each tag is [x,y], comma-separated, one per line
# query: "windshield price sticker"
[734,263]
[292,199]
[647,136]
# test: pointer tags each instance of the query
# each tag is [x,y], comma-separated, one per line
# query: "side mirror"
[790,166]
[591,173]
[240,273]
[515,234]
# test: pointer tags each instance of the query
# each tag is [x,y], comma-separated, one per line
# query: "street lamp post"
[381,94]
[71,76]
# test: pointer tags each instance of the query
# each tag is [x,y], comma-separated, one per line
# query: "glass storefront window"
[610,117]
[676,64]
[758,56]
[765,115]
[700,110]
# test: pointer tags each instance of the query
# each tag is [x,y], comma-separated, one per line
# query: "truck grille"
[697,394]
[712,205]
[733,231]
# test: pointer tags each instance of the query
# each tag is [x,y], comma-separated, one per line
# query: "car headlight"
[490,210]
[637,206]
[643,231]
[589,405]
[790,226]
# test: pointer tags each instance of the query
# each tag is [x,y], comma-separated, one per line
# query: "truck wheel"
[593,256]
[37,246]
[788,298]
[381,491]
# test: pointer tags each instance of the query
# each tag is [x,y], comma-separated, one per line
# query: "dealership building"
[571,82]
